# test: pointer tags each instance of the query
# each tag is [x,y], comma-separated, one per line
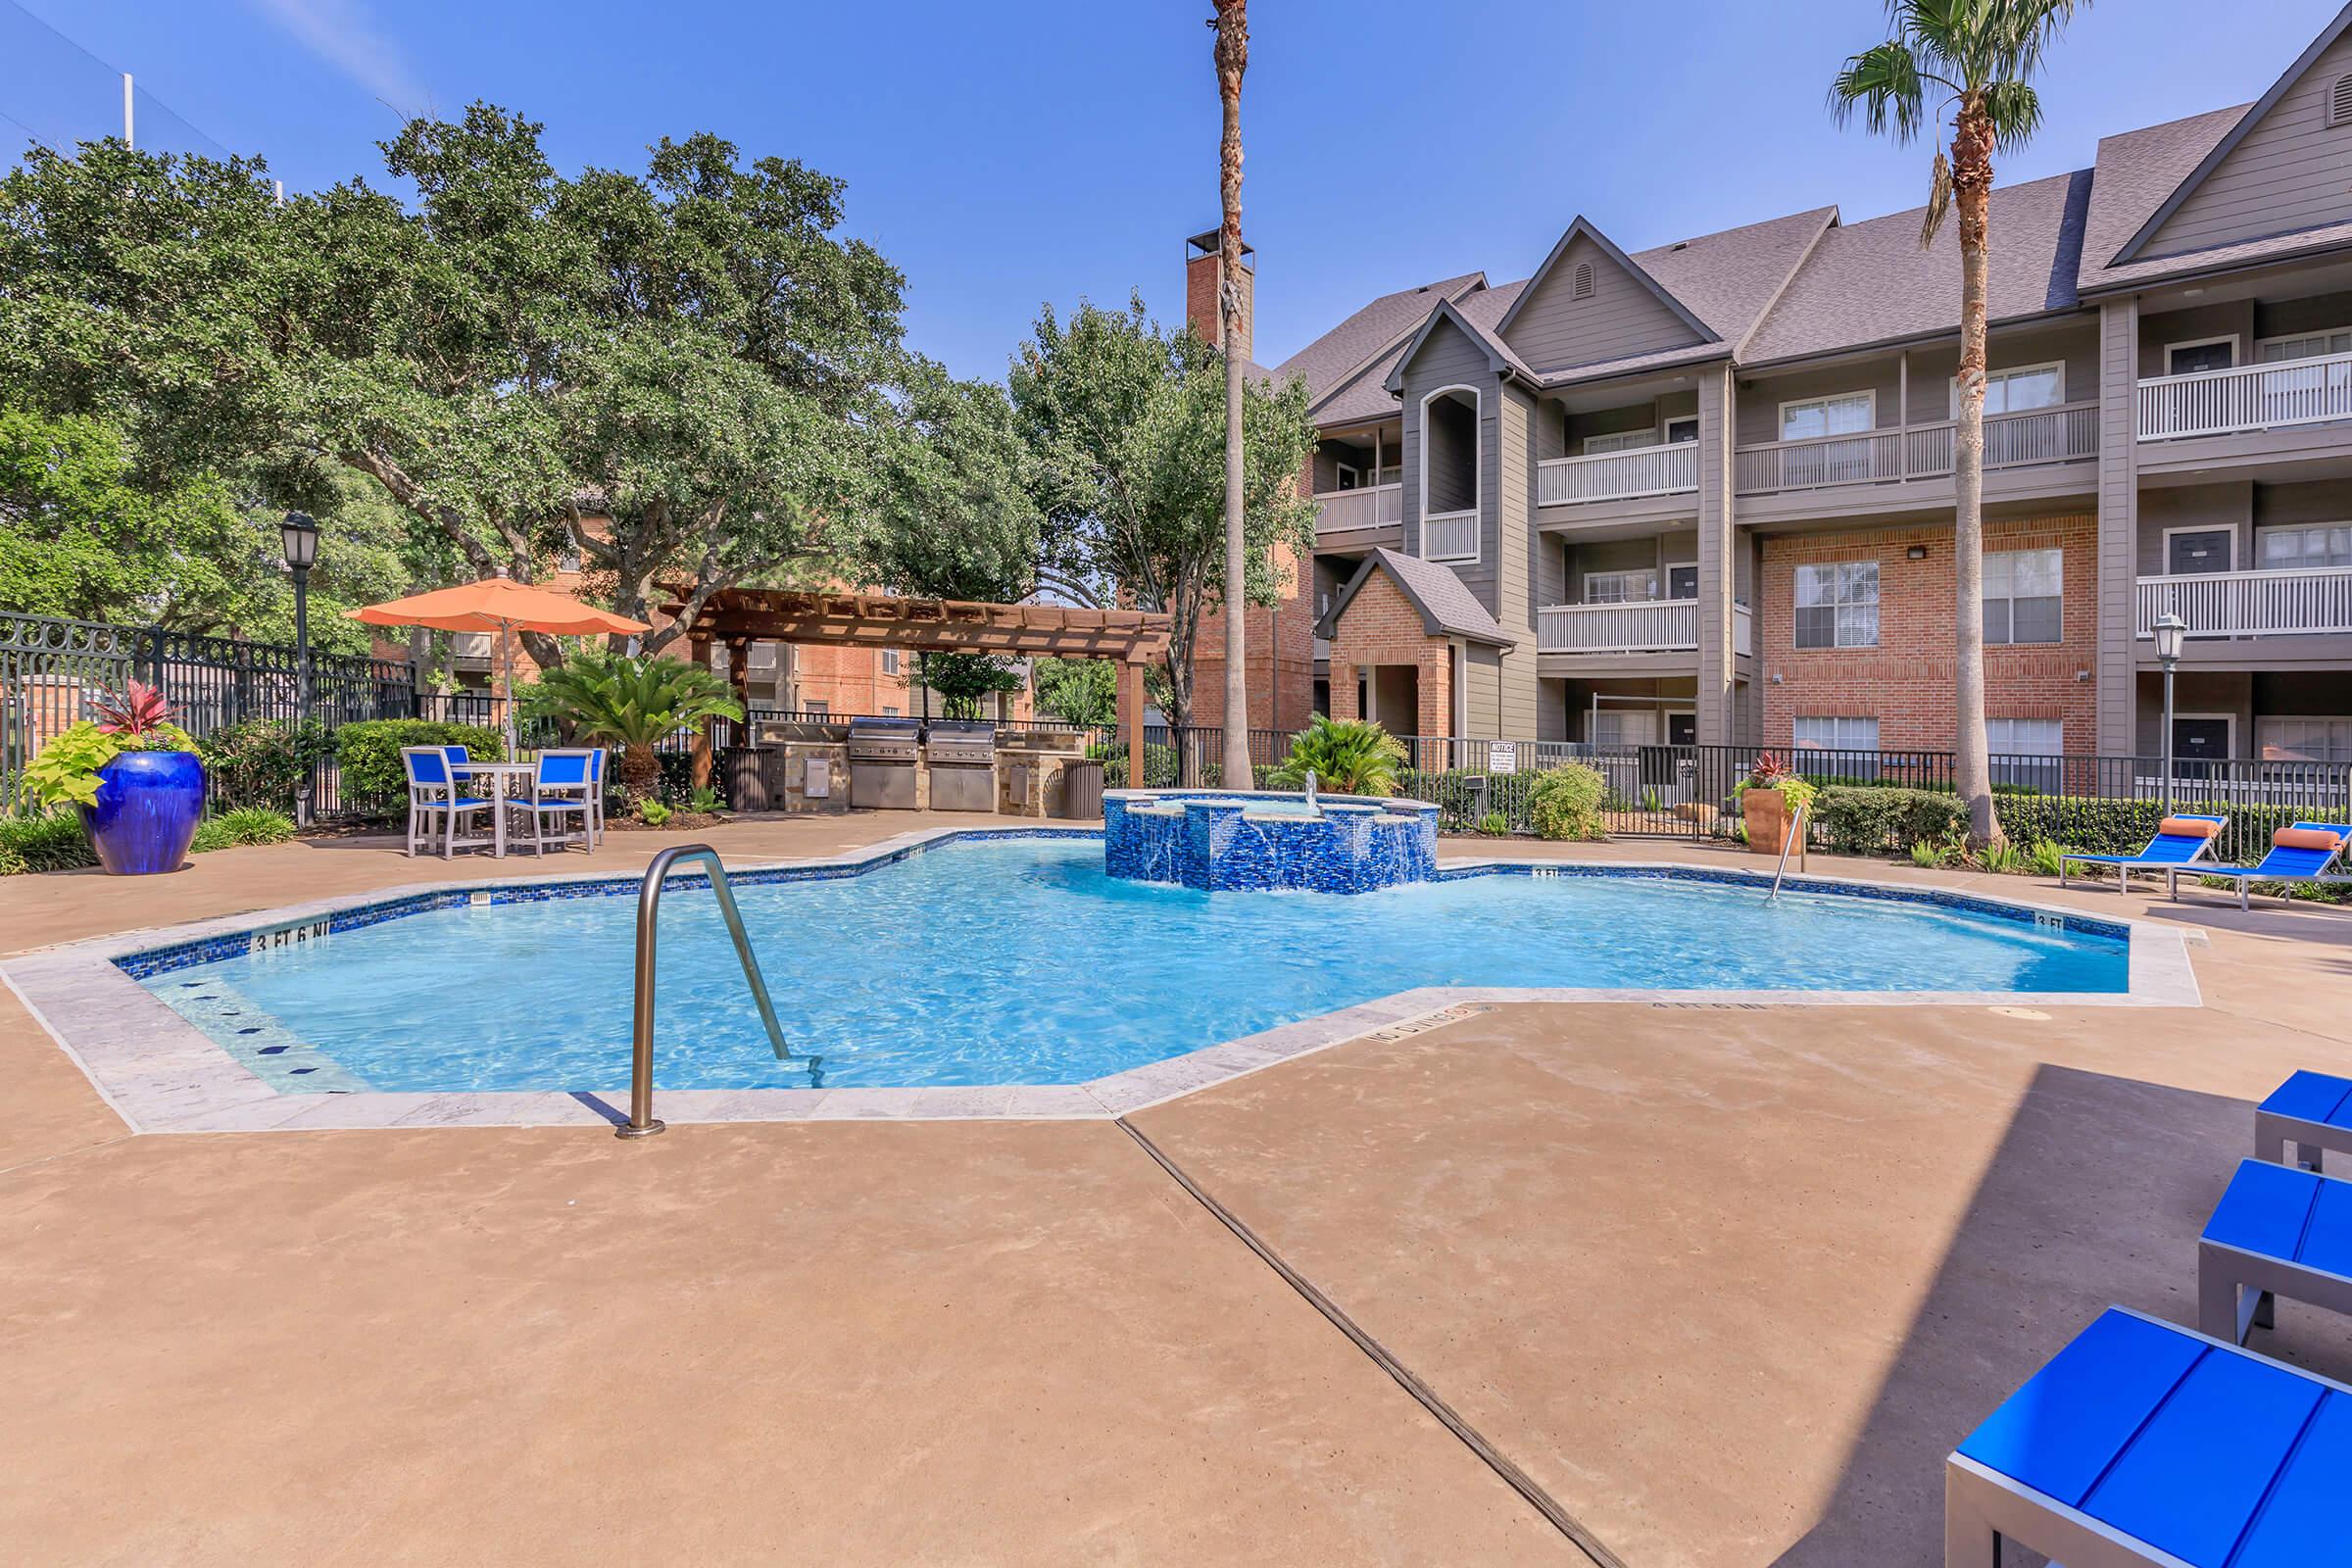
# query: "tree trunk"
[640,774]
[1232,59]
[1972,189]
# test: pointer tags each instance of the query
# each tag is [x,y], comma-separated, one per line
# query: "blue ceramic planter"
[148,805]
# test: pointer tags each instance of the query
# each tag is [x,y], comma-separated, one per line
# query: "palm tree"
[1231,54]
[633,703]
[1981,56]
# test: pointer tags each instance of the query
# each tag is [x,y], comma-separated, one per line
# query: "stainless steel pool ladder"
[642,1122]
[1794,840]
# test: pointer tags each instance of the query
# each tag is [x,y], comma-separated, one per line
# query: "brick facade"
[1906,681]
[1381,626]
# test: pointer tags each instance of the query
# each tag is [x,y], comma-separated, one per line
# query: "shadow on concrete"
[2096,1197]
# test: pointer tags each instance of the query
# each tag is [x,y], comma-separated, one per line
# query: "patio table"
[496,775]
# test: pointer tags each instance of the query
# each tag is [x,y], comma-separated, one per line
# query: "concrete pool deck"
[1726,1282]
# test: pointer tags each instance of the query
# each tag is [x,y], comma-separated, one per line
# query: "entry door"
[1681,582]
[1682,729]
[2198,552]
[2197,742]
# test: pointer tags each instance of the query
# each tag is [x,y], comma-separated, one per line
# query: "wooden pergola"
[741,616]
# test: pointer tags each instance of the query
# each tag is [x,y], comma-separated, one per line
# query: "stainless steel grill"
[962,756]
[882,757]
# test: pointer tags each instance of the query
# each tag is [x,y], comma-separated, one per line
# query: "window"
[2024,737]
[2023,601]
[1625,726]
[889,711]
[2300,740]
[1621,441]
[2028,386]
[1837,734]
[2278,349]
[1682,581]
[1848,413]
[1684,429]
[1838,605]
[1620,587]
[2318,544]
[812,706]
[2203,354]
[890,661]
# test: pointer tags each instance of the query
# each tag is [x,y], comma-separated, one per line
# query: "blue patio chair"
[2302,853]
[2277,1231]
[2143,1443]
[2179,841]
[437,801]
[2312,1111]
[558,793]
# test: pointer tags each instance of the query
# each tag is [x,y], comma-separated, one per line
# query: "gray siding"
[1719,721]
[2293,171]
[1482,692]
[1553,331]
[1759,411]
[1517,548]
[2075,347]
[2118,501]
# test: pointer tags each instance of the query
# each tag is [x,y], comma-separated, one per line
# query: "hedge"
[1565,801]
[1872,819]
[368,752]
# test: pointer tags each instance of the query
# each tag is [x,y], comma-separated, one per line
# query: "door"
[2198,743]
[2196,552]
[2188,359]
[1681,582]
[1682,729]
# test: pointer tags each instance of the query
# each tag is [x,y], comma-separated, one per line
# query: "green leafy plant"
[1494,825]
[262,762]
[2043,857]
[633,703]
[2003,859]
[1347,757]
[706,800]
[653,813]
[1564,803]
[368,752]
[256,824]
[1650,802]
[211,834]
[1872,819]
[136,719]
[1770,772]
[1929,853]
[43,841]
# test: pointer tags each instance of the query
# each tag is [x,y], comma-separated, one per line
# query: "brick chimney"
[1204,272]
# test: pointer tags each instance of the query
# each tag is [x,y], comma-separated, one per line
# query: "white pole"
[127,141]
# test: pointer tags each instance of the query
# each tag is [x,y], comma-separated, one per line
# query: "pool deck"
[1725,1282]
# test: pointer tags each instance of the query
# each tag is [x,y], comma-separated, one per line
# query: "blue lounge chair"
[2145,1444]
[2310,1110]
[2179,841]
[2277,1231]
[438,802]
[2302,853]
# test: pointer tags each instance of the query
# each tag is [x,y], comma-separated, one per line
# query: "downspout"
[1458,717]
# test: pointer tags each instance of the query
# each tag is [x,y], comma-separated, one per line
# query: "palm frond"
[1884,83]
[2015,108]
[1940,200]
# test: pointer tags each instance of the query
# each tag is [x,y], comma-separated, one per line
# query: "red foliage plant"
[138,709]
[1769,769]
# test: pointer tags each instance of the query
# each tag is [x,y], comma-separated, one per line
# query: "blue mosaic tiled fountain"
[1221,840]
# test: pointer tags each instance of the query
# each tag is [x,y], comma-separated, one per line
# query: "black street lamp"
[300,537]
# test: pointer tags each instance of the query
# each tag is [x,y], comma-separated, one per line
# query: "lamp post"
[2170,629]
[300,537]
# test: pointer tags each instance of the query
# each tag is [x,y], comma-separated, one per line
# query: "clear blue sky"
[1007,155]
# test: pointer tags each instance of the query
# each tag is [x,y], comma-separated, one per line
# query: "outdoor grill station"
[910,763]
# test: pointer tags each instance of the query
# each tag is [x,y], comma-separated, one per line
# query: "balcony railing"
[1660,471]
[1379,506]
[1449,536]
[2252,397]
[1643,626]
[2296,600]
[2066,433]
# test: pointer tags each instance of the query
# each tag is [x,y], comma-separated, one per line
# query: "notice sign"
[1502,757]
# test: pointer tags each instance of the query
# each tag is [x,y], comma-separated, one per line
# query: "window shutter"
[2340,101]
[1580,285]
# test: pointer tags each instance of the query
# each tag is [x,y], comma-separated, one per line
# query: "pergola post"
[1131,704]
[704,733]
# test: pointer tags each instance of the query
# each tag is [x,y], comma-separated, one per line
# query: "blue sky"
[1009,154]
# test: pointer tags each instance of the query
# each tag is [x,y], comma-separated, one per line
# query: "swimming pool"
[1019,962]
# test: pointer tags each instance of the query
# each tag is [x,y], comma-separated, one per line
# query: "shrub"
[1347,757]
[2004,859]
[262,762]
[256,824]
[51,841]
[1564,803]
[211,834]
[1873,819]
[1494,825]
[1929,854]
[2041,856]
[368,752]
[653,811]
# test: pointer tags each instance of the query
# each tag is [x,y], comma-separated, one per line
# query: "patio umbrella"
[497,605]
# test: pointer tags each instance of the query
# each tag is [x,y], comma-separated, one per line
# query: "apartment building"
[1703,492]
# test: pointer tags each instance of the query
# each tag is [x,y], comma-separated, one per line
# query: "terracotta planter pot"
[1766,815]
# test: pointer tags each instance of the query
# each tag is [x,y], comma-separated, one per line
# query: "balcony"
[2066,433]
[2293,602]
[470,649]
[1652,626]
[2251,397]
[1449,536]
[1659,470]
[1380,505]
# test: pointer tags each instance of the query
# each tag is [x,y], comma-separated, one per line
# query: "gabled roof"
[1377,328]
[2132,248]
[1500,358]
[1447,606]
[1872,282]
[1580,228]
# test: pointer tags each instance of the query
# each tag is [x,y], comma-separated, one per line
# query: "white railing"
[2252,397]
[1744,635]
[1449,536]
[2066,433]
[1378,506]
[1645,627]
[1660,471]
[2252,604]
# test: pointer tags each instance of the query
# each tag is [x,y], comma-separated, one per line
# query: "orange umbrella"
[501,605]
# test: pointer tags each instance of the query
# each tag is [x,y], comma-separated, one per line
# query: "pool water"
[1020,962]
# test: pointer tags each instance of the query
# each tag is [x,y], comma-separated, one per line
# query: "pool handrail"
[642,1122]
[1796,837]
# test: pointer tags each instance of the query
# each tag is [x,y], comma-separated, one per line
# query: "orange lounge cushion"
[2191,827]
[2305,837]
